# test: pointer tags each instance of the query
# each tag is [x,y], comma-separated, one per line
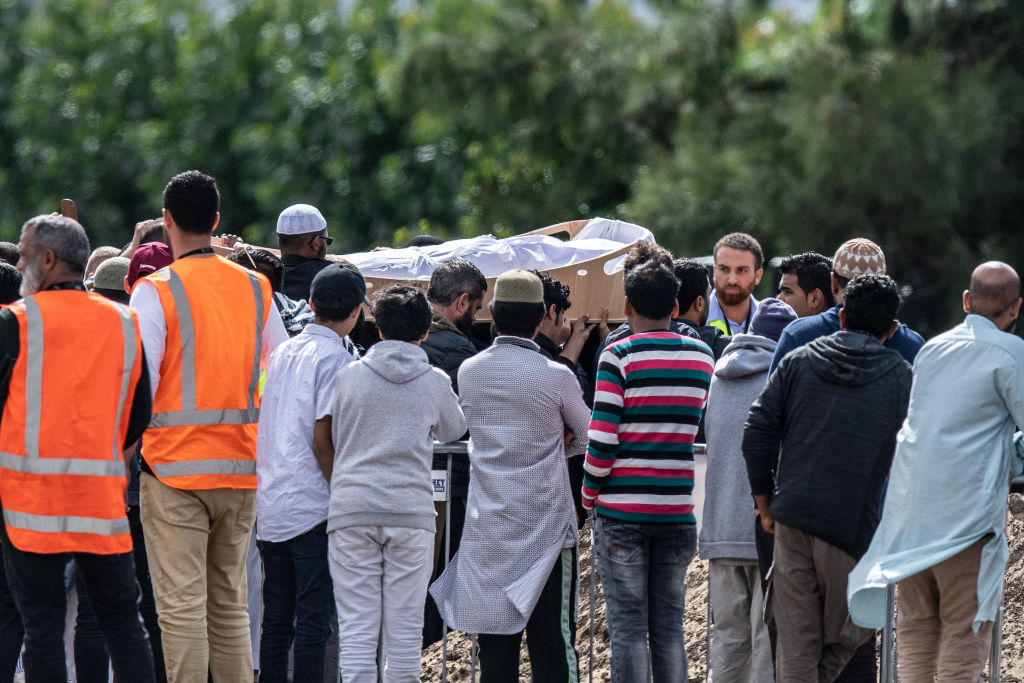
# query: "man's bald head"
[994,292]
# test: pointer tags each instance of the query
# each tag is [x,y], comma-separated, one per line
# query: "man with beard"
[738,270]
[942,533]
[456,294]
[75,399]
[302,237]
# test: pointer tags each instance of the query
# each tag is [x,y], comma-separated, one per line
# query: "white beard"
[29,280]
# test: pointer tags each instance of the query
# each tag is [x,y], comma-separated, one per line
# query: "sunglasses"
[325,238]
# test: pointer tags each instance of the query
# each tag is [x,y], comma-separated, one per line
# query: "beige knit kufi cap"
[518,287]
[858,256]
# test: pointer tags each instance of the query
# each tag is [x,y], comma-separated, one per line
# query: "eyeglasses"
[325,238]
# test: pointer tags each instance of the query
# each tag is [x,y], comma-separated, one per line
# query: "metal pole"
[888,663]
[593,592]
[472,659]
[709,618]
[447,546]
[997,641]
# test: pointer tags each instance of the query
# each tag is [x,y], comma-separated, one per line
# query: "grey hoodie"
[389,407]
[727,531]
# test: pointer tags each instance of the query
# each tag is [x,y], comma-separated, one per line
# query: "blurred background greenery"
[898,120]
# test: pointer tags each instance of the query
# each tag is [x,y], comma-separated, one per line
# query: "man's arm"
[760,435]
[152,327]
[141,411]
[604,427]
[575,414]
[323,446]
[451,422]
[786,344]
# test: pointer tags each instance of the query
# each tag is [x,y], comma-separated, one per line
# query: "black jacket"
[836,404]
[446,348]
[298,275]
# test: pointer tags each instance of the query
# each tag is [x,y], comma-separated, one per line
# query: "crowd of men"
[165,410]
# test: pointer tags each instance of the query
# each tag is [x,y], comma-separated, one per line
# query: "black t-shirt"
[299,273]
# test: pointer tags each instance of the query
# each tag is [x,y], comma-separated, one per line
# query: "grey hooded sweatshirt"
[837,404]
[727,532]
[389,407]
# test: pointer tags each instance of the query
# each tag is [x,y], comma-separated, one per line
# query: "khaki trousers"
[933,630]
[197,543]
[816,636]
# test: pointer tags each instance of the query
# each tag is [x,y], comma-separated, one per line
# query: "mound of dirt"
[458,649]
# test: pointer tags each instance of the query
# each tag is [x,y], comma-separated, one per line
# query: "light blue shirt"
[717,317]
[950,477]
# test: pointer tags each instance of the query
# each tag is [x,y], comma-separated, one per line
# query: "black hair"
[840,280]
[10,283]
[402,313]
[262,261]
[812,272]
[870,304]
[694,281]
[517,318]
[555,293]
[651,290]
[453,278]
[153,232]
[743,242]
[118,295]
[642,252]
[193,201]
[424,241]
[9,253]
[291,243]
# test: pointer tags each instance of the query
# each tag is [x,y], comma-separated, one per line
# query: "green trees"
[893,119]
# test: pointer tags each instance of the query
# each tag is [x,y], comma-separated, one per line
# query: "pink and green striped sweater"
[650,393]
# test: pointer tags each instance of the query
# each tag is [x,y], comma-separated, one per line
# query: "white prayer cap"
[299,219]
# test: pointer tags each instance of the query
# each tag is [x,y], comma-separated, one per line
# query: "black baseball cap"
[338,287]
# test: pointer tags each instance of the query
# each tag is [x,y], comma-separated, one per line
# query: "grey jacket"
[389,407]
[727,531]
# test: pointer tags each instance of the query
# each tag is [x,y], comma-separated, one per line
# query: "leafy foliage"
[898,120]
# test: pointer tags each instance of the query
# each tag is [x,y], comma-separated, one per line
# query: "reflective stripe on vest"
[189,415]
[721,325]
[184,468]
[66,524]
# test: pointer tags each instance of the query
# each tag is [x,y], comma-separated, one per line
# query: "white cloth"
[495,256]
[380,577]
[153,328]
[292,495]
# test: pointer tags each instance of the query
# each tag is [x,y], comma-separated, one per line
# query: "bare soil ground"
[459,663]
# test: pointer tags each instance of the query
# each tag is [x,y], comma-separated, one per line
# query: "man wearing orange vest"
[75,399]
[208,326]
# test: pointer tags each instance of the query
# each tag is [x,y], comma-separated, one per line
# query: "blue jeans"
[643,572]
[298,604]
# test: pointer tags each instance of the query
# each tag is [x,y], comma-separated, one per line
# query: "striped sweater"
[650,393]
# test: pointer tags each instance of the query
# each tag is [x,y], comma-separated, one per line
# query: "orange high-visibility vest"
[203,431]
[62,469]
